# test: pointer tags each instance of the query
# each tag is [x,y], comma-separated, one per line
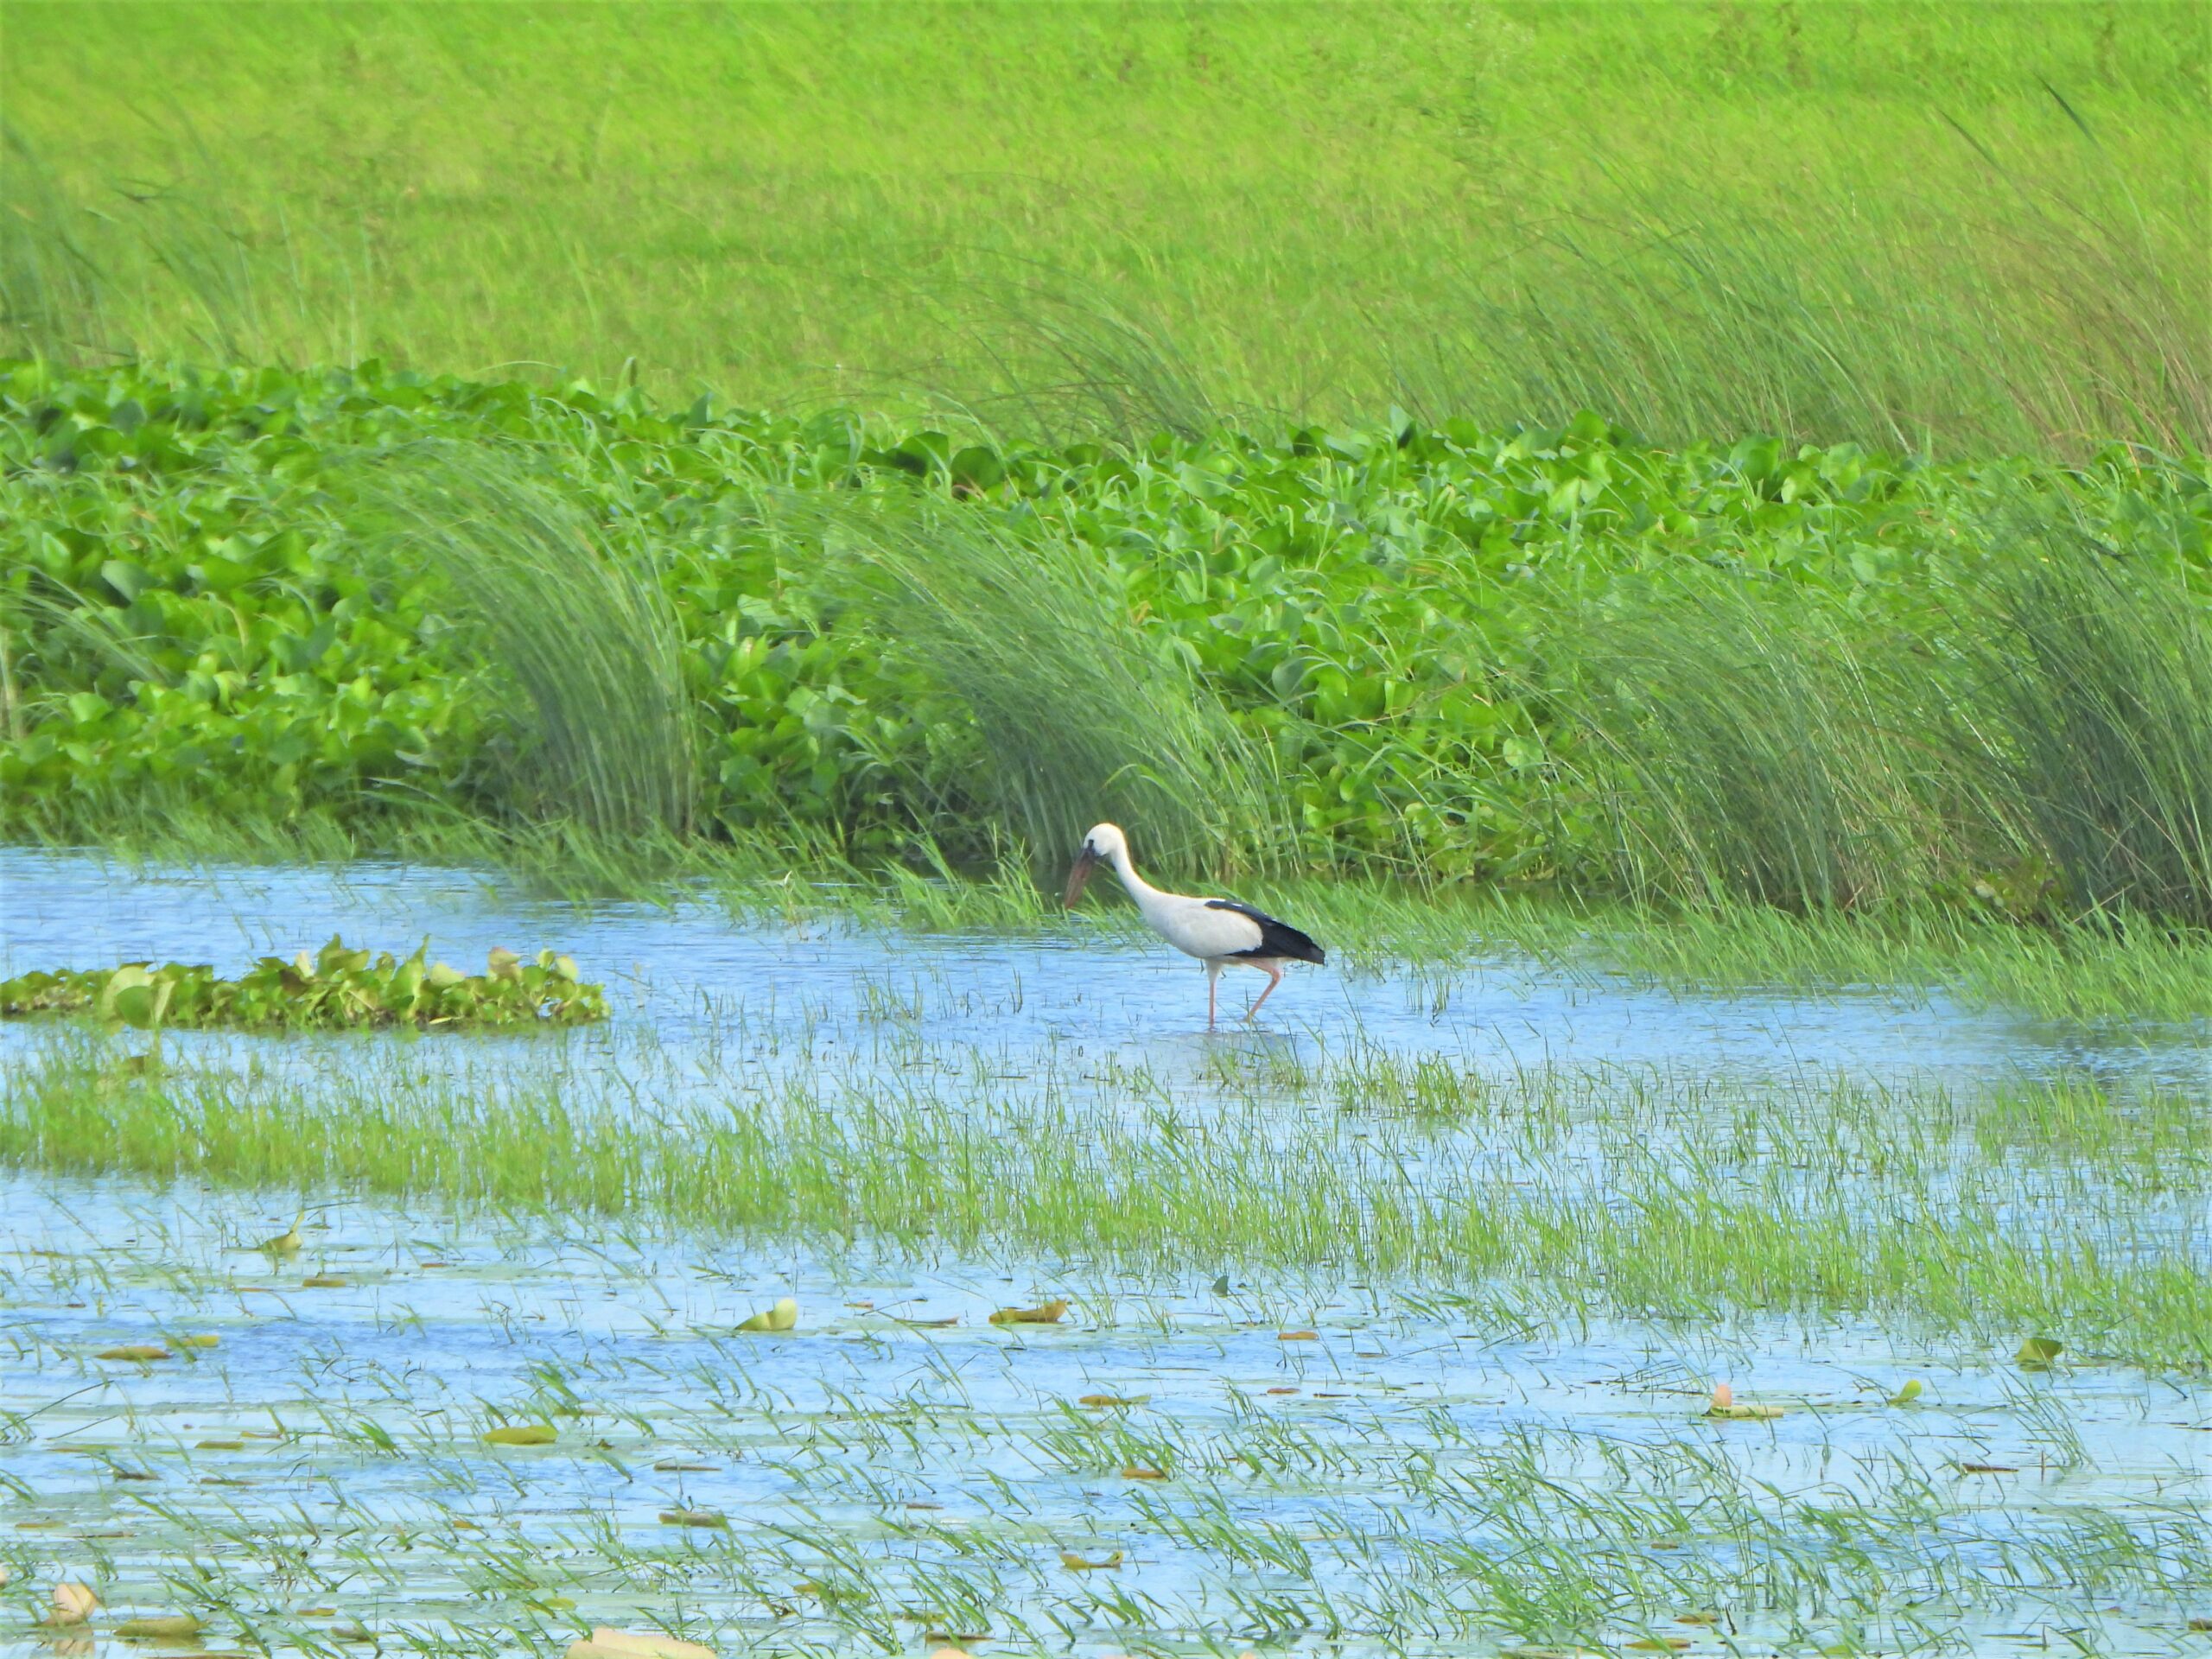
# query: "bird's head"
[1101,845]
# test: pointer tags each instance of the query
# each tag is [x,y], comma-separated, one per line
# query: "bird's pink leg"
[1274,978]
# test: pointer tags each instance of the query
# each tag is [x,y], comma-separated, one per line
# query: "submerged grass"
[1598,1194]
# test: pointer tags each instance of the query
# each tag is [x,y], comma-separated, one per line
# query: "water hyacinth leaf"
[1043,1313]
[521,1435]
[2036,1353]
[784,1316]
[503,963]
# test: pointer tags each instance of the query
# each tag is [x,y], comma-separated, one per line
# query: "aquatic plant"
[336,987]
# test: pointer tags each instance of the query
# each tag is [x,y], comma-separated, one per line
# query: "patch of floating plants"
[335,988]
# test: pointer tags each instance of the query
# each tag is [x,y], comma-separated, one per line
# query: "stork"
[1217,931]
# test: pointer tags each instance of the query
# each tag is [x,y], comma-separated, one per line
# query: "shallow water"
[1401,1481]
[690,973]
[1439,1468]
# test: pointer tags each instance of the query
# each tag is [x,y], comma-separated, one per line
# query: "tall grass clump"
[2091,704]
[1078,713]
[1736,740]
[2044,736]
[573,623]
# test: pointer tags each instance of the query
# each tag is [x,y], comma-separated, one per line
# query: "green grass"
[2064,1207]
[1891,222]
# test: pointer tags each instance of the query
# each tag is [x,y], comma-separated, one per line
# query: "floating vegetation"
[335,988]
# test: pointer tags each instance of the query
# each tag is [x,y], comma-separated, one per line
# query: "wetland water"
[1445,1445]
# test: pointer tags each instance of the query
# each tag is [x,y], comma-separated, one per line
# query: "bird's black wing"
[1278,941]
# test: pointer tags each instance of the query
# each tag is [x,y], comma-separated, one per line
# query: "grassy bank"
[1888,223]
[1823,680]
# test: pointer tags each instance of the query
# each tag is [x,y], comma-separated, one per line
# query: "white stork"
[1217,931]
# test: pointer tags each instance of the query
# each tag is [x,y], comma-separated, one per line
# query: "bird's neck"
[1137,887]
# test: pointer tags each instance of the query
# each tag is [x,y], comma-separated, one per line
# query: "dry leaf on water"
[168,1626]
[607,1642]
[784,1316]
[1075,1563]
[1112,1400]
[1298,1336]
[693,1518]
[1043,1313]
[1143,1471]
[73,1603]
[324,1281]
[142,1352]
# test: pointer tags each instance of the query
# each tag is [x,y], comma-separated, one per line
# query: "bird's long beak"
[1081,874]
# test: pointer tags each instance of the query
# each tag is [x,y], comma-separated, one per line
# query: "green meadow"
[1903,224]
[1674,538]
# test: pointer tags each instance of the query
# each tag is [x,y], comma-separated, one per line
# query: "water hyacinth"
[335,988]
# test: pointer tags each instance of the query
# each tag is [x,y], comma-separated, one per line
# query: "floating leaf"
[325,1281]
[1908,1393]
[1111,1400]
[1743,1413]
[286,1243]
[2037,1352]
[195,1341]
[521,1435]
[694,1518]
[1989,1469]
[1075,1563]
[1298,1336]
[141,1352]
[1220,1286]
[784,1316]
[74,1603]
[1143,1471]
[1657,1644]
[1043,1313]
[168,1626]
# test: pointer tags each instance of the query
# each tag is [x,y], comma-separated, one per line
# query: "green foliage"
[335,988]
[1441,650]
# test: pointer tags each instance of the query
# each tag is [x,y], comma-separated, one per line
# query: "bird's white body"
[1220,933]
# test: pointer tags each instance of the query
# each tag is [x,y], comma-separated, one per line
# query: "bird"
[1217,931]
